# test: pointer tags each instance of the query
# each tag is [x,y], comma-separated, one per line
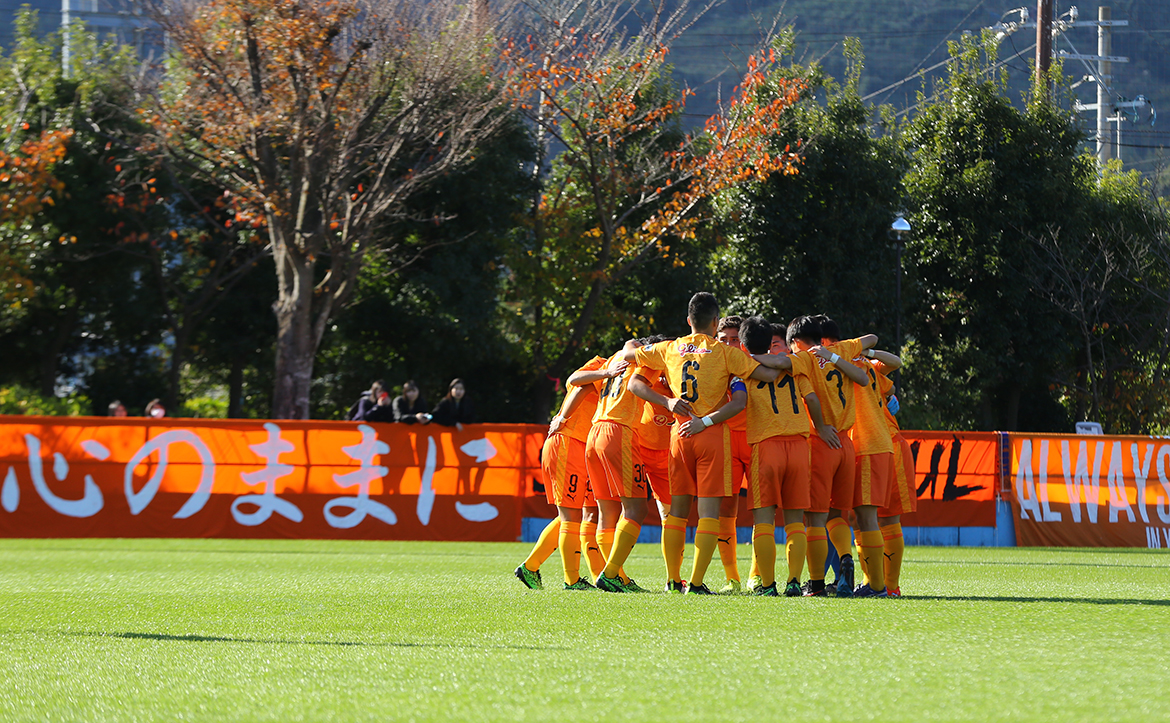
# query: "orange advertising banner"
[1090,491]
[99,477]
[956,478]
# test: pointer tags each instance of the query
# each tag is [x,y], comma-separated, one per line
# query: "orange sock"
[795,549]
[861,564]
[674,543]
[545,545]
[764,552]
[873,559]
[706,538]
[818,552]
[570,544]
[893,547]
[592,551]
[840,536]
[624,539]
[727,547]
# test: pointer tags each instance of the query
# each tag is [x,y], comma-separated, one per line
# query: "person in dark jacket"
[455,409]
[374,405]
[410,407]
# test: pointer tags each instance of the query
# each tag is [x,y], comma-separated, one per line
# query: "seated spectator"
[455,409]
[367,402]
[155,409]
[411,407]
[117,409]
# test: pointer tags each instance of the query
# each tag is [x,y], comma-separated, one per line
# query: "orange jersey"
[776,409]
[577,426]
[617,403]
[871,435]
[699,368]
[834,389]
[653,429]
[886,386]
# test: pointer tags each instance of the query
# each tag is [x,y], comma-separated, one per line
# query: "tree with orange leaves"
[626,182]
[322,119]
[27,185]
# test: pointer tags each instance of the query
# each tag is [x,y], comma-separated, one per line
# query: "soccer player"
[566,480]
[903,497]
[652,435]
[832,465]
[778,431]
[741,458]
[615,468]
[699,369]
[871,484]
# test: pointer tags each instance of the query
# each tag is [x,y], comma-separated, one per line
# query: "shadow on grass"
[273,641]
[1036,564]
[1031,599]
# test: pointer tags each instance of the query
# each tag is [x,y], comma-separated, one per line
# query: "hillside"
[902,36]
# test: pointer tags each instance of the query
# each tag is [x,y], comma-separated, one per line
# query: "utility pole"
[1104,80]
[1043,44]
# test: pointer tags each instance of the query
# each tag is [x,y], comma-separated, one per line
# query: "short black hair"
[780,330]
[654,339]
[729,322]
[804,328]
[755,333]
[703,310]
[829,328]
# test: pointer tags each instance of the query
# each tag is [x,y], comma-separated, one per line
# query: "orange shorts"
[779,473]
[871,486]
[903,497]
[701,465]
[833,470]
[741,459]
[566,481]
[614,462]
[655,465]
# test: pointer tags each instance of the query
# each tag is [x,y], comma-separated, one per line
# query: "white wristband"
[835,358]
[707,420]
[868,353]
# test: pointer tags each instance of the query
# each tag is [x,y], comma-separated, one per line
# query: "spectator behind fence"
[455,409]
[155,409]
[367,402]
[117,409]
[411,407]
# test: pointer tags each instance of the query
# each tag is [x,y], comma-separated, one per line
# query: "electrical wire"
[936,47]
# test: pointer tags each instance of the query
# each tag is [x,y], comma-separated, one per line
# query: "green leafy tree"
[985,177]
[816,241]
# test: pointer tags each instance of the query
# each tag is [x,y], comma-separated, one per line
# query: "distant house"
[126,20]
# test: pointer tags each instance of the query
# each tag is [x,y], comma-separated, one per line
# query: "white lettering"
[267,502]
[89,504]
[162,444]
[426,492]
[481,512]
[10,495]
[1141,472]
[1153,541]
[1046,511]
[1025,489]
[1118,494]
[361,505]
[1162,503]
[1079,484]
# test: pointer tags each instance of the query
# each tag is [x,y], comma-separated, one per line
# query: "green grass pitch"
[193,630]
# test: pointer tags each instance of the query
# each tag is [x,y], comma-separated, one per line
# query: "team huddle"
[802,417]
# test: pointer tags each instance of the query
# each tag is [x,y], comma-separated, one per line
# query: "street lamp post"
[899,230]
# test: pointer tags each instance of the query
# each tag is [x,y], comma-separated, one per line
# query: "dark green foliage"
[816,242]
